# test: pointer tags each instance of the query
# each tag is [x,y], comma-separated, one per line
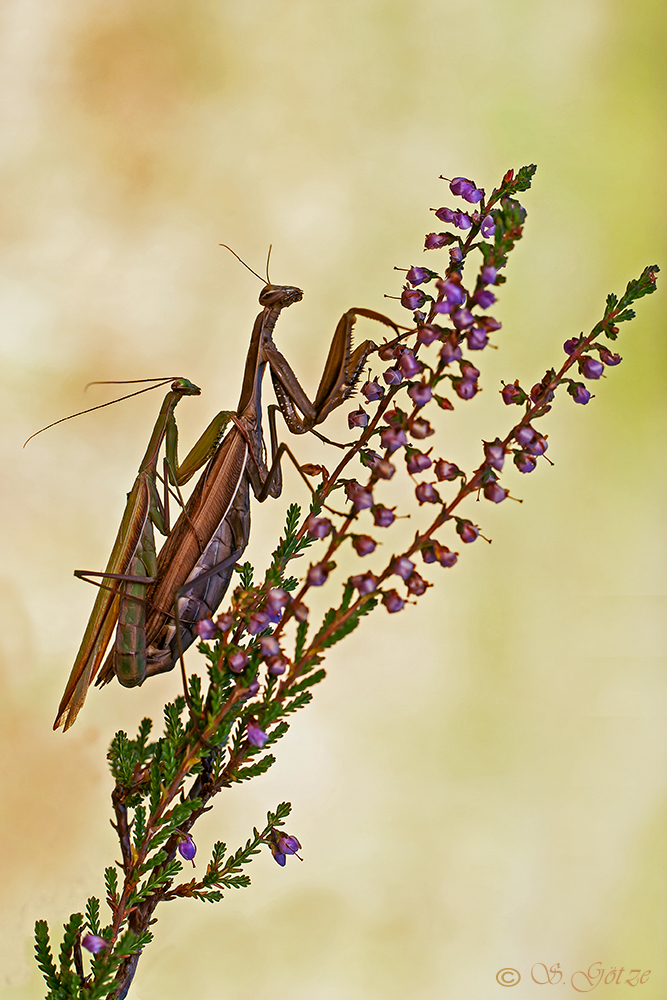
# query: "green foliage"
[139,828]
[156,881]
[93,915]
[308,681]
[259,767]
[111,883]
[122,758]
[44,956]
[70,932]
[246,572]
[522,181]
[301,633]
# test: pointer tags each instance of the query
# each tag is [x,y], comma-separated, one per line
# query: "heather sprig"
[264,652]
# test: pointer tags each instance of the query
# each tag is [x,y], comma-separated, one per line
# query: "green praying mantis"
[154,604]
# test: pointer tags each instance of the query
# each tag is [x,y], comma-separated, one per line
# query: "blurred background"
[480,782]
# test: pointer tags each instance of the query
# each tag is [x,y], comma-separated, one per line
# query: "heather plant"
[264,653]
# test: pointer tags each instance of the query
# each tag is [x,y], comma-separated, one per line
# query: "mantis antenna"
[248,265]
[111,401]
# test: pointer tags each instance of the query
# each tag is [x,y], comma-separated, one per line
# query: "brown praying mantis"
[187,582]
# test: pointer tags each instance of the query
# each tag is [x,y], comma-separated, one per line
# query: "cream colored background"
[481,781]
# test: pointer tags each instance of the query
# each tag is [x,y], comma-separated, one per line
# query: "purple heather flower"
[571,345]
[591,367]
[456,255]
[450,352]
[495,454]
[359,495]
[392,439]
[187,848]
[513,394]
[277,855]
[444,307]
[402,566]
[417,275]
[409,364]
[363,544]
[488,275]
[452,291]
[393,601]
[252,689]
[412,298]
[277,598]
[433,551]
[269,646]
[225,621]
[420,394]
[489,323]
[525,462]
[382,516]
[417,462]
[258,621]
[488,227]
[420,429]
[477,338]
[384,469]
[608,358]
[416,584]
[445,556]
[462,220]
[300,611]
[467,531]
[469,371]
[428,551]
[427,334]
[238,661]
[484,298]
[365,583]
[541,392]
[357,418]
[318,527]
[466,189]
[372,391]
[465,388]
[317,575]
[445,214]
[276,665]
[434,241]
[288,845]
[462,319]
[579,392]
[206,629]
[446,470]
[426,493]
[94,943]
[255,735]
[537,446]
[524,435]
[495,492]
[392,376]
